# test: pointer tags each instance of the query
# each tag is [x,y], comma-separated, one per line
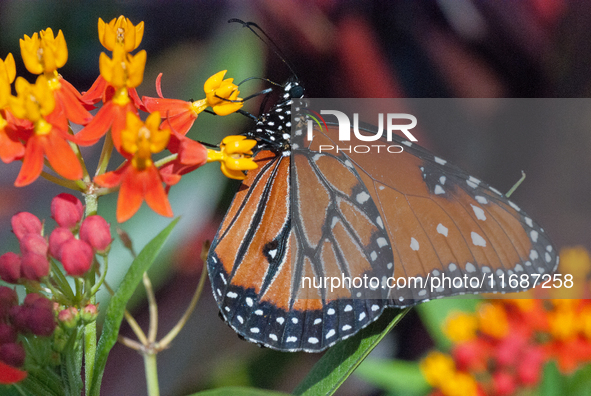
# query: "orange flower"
[120,31]
[139,179]
[44,53]
[11,147]
[234,156]
[492,320]
[36,104]
[221,95]
[460,326]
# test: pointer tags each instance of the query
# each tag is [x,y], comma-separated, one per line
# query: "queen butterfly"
[305,213]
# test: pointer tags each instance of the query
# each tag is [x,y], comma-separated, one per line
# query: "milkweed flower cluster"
[37,127]
[502,348]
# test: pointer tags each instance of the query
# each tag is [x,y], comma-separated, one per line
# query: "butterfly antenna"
[267,40]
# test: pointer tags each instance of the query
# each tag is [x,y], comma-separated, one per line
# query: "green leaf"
[116,308]
[239,391]
[553,383]
[434,313]
[342,359]
[579,384]
[71,364]
[396,376]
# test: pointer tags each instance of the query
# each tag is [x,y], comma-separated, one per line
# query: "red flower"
[11,375]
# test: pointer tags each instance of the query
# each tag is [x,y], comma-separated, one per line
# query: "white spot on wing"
[534,235]
[440,161]
[515,206]
[382,242]
[529,222]
[379,222]
[477,240]
[442,229]
[414,244]
[470,267]
[478,212]
[330,333]
[481,200]
[439,190]
[362,197]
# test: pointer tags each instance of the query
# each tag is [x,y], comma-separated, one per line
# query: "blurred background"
[373,49]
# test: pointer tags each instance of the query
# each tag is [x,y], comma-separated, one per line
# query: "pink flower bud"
[96,232]
[34,266]
[68,317]
[19,318]
[89,313]
[8,299]
[8,333]
[76,257]
[40,321]
[24,223]
[12,354]
[58,237]
[10,267]
[33,243]
[66,210]
[38,301]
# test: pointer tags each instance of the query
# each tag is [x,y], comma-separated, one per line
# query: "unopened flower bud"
[8,333]
[8,299]
[96,232]
[18,317]
[89,313]
[40,321]
[66,210]
[60,339]
[12,354]
[58,237]
[24,223]
[10,267]
[38,301]
[76,257]
[34,266]
[33,243]
[68,317]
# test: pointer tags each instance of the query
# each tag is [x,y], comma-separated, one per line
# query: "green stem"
[90,329]
[165,160]
[69,184]
[151,373]
[105,155]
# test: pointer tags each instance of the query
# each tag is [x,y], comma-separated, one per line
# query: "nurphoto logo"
[394,122]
